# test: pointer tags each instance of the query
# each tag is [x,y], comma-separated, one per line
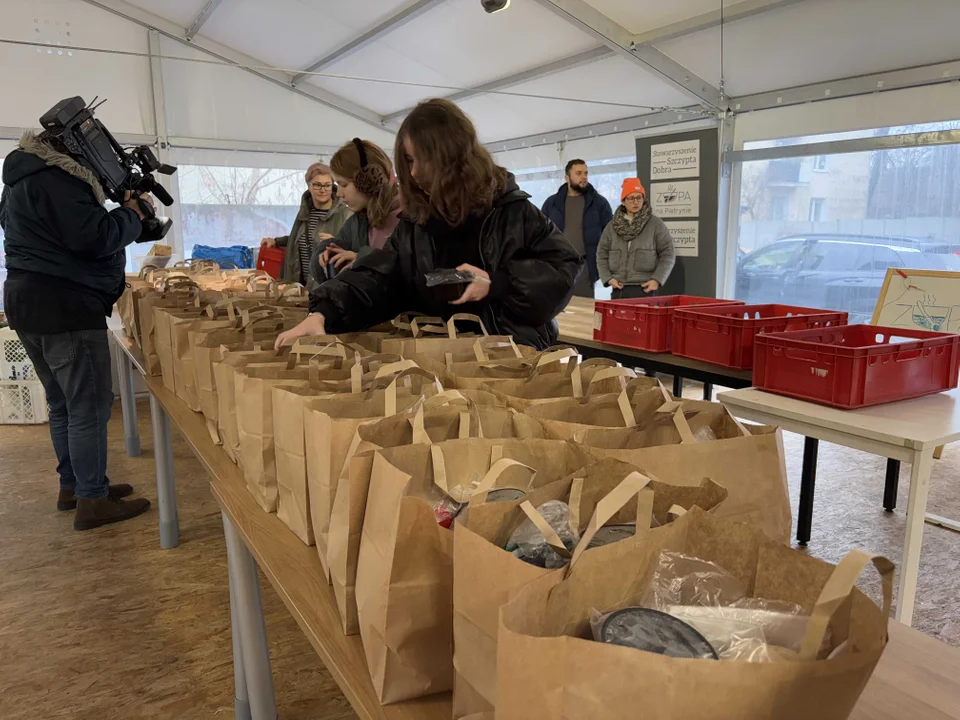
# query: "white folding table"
[907,431]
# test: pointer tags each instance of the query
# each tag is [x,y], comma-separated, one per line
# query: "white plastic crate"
[22,402]
[14,363]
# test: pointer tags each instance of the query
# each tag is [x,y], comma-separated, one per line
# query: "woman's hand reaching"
[312,325]
[476,290]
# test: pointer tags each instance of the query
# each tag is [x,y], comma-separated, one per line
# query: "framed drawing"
[919,299]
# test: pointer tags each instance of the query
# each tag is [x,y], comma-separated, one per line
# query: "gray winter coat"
[338,215]
[649,256]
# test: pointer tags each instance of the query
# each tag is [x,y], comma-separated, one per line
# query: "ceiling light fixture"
[494,6]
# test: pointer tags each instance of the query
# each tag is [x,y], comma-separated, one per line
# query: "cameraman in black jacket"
[65,270]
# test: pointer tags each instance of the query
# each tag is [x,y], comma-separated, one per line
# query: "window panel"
[860,213]
[223,206]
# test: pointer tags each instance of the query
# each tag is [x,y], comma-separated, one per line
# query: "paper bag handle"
[424,324]
[549,534]
[489,480]
[600,375]
[478,347]
[390,396]
[452,324]
[486,482]
[633,485]
[549,357]
[836,593]
[447,397]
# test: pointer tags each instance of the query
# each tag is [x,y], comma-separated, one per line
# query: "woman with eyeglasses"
[636,253]
[366,182]
[322,214]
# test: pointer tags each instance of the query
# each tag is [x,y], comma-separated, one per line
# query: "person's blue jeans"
[75,369]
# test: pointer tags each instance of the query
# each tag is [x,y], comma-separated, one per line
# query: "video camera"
[119,171]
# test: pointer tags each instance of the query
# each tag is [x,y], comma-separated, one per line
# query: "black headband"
[362,150]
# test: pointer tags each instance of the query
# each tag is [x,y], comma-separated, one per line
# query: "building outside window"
[826,238]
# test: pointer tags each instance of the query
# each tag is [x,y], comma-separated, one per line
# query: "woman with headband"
[366,183]
[460,211]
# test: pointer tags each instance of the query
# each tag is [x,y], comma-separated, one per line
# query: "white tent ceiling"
[452,44]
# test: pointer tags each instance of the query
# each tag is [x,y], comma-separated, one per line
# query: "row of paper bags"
[352,444]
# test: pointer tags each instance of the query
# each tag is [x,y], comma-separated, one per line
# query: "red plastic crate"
[724,335]
[643,323]
[857,365]
[271,261]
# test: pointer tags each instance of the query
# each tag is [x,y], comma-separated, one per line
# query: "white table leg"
[916,516]
[128,404]
[252,630]
[166,490]
[241,703]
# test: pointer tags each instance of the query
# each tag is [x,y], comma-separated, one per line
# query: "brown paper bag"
[253,390]
[751,467]
[404,586]
[546,669]
[289,441]
[330,425]
[208,349]
[425,342]
[486,576]
[699,422]
[597,376]
[441,419]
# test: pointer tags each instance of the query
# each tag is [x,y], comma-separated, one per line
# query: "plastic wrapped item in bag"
[683,580]
[528,543]
[609,534]
[445,510]
[704,434]
[651,631]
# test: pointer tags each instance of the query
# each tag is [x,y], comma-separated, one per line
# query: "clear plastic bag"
[704,433]
[683,580]
[528,543]
[711,600]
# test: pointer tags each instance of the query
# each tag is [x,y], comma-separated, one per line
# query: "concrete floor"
[104,624]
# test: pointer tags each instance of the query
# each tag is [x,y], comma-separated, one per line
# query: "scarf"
[630,230]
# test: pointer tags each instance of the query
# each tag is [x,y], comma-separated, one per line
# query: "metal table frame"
[129,361]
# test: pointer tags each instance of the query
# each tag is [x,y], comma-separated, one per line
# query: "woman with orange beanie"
[636,253]
[366,183]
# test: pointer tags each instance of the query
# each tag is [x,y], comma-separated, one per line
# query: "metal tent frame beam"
[201,18]
[510,80]
[234,57]
[405,15]
[706,21]
[693,113]
[621,41]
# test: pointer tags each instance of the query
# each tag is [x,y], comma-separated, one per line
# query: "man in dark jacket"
[581,213]
[531,266]
[65,270]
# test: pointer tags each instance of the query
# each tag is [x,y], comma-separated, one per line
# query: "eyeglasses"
[633,199]
[321,186]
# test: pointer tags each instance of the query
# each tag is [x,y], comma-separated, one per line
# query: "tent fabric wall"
[34,79]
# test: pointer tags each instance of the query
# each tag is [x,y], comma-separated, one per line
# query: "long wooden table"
[918,677]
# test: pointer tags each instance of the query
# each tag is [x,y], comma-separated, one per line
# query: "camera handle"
[146,208]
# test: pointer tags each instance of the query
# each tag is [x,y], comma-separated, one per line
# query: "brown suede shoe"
[68,501]
[94,513]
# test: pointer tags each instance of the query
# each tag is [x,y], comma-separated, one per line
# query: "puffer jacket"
[596,216]
[355,235]
[649,256]
[338,215]
[65,252]
[532,268]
